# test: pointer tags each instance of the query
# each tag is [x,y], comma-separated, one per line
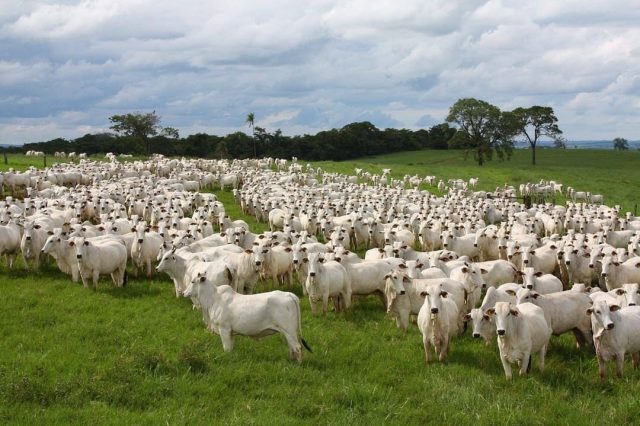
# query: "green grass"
[612,173]
[21,162]
[139,355]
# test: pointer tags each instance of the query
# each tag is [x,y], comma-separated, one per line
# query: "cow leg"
[325,303]
[635,357]
[227,339]
[524,364]
[96,276]
[427,349]
[602,367]
[619,364]
[507,367]
[149,268]
[541,355]
[295,349]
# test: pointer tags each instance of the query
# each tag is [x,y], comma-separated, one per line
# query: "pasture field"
[139,355]
[616,174]
[21,162]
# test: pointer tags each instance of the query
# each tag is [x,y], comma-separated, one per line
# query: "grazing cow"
[255,315]
[564,311]
[437,320]
[615,332]
[327,279]
[521,329]
[95,258]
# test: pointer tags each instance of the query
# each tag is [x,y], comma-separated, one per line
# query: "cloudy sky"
[304,66]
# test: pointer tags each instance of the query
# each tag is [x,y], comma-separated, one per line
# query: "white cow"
[521,329]
[33,240]
[10,241]
[145,248]
[542,283]
[95,258]
[327,279]
[616,273]
[615,332]
[437,320]
[255,315]
[564,311]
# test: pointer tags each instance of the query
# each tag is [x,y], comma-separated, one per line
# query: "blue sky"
[305,66]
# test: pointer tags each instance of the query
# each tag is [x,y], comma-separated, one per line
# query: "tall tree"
[250,120]
[483,129]
[138,125]
[620,144]
[536,122]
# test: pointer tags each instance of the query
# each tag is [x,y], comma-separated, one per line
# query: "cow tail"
[304,342]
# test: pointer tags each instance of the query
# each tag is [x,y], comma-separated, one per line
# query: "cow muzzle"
[78,256]
[434,310]
[501,332]
[610,326]
[312,274]
[476,335]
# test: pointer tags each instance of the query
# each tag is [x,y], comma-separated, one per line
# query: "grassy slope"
[614,174]
[139,355]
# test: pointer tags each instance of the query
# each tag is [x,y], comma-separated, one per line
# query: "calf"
[615,332]
[255,315]
[521,329]
[437,320]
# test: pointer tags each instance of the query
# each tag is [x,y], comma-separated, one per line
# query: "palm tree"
[250,120]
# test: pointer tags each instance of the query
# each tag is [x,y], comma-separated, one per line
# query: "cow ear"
[288,249]
[490,311]
[71,243]
[520,273]
[406,279]
[49,232]
[386,277]
[419,265]
[552,247]
[402,266]
[255,244]
[321,259]
[36,227]
[133,229]
[444,294]
[305,260]
[620,291]
[467,317]
[538,274]
[223,234]
[514,312]
[484,271]
[248,251]
[638,265]
[589,311]
[424,294]
[510,292]
[614,308]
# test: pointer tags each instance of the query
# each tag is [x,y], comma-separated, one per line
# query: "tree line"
[475,126]
[351,141]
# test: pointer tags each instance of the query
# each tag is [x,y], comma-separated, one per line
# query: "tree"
[535,122]
[138,125]
[170,132]
[250,120]
[620,144]
[560,143]
[483,129]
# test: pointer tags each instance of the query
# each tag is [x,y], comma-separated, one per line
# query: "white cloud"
[307,66]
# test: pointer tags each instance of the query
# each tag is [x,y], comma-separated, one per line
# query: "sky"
[305,66]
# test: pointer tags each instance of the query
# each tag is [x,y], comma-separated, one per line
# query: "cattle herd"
[466,259]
